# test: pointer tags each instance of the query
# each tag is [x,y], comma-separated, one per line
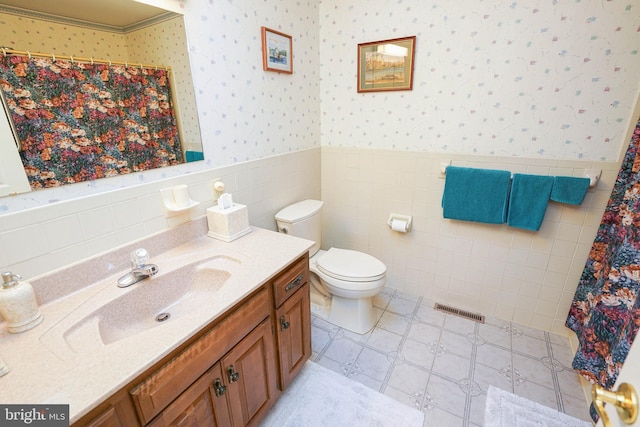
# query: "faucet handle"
[10,279]
[139,257]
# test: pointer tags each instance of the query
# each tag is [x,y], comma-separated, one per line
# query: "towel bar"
[593,174]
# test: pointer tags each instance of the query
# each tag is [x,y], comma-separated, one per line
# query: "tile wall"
[512,274]
[38,240]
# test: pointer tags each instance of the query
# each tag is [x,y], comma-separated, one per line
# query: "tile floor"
[444,364]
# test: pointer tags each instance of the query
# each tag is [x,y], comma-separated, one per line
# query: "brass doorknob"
[625,400]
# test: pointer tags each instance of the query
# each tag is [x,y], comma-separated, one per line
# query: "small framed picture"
[277,51]
[386,65]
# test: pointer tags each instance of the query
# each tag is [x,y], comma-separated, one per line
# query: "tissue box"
[228,224]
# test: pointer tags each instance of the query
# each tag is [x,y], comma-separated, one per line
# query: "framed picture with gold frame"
[277,51]
[386,65]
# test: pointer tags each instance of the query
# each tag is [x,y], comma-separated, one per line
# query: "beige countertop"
[44,368]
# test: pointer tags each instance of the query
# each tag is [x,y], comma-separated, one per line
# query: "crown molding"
[86,24]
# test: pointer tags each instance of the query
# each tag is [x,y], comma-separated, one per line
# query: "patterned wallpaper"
[541,79]
[247,113]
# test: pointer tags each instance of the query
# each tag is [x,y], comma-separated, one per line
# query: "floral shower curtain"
[79,121]
[605,312]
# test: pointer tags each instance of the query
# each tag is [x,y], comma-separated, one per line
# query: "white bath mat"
[504,409]
[320,397]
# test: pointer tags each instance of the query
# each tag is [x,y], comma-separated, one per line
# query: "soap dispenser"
[18,304]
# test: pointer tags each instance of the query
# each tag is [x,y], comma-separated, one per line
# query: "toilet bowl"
[351,279]
[343,281]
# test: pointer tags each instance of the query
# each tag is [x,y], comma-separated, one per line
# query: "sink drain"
[162,317]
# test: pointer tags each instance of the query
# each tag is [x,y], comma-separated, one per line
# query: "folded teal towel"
[569,189]
[476,194]
[193,156]
[528,200]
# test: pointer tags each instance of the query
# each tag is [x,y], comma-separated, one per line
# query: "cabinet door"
[293,323]
[204,403]
[250,375]
[118,411]
[109,418]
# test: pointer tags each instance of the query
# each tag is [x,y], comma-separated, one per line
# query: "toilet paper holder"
[397,217]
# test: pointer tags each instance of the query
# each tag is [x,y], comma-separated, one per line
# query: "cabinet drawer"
[291,280]
[161,387]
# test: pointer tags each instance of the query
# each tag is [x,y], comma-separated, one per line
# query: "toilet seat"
[351,266]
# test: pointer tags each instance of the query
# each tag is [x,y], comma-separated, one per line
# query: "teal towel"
[476,194]
[570,190]
[193,156]
[528,200]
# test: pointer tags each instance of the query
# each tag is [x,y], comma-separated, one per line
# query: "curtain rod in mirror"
[9,51]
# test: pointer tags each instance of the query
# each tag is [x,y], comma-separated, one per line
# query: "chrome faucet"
[141,269]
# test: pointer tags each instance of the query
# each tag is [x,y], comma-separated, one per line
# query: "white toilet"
[343,281]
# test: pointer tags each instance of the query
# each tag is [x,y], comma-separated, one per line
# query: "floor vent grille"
[459,312]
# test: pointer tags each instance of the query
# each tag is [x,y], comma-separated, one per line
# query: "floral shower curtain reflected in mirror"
[79,121]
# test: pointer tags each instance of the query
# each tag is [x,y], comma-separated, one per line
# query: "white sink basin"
[113,313]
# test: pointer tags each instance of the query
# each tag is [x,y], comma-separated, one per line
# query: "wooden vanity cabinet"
[228,375]
[237,391]
[293,319]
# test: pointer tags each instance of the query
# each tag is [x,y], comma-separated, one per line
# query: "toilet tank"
[303,219]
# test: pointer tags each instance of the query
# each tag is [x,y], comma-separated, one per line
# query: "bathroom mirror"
[126,31]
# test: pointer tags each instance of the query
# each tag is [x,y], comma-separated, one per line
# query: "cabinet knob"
[283,324]
[218,387]
[232,374]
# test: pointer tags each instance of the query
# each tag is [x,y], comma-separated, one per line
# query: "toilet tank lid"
[299,211]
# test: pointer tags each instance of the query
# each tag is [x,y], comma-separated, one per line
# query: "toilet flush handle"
[284,230]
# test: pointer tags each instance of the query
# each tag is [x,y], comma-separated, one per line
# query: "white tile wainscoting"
[504,272]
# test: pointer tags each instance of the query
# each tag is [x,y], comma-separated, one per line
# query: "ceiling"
[115,13]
